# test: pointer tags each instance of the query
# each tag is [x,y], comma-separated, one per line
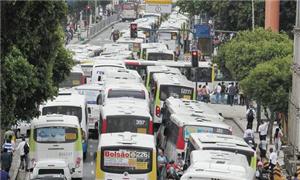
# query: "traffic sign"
[202,30]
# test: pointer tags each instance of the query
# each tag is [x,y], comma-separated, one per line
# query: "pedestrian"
[249,133]
[249,138]
[23,147]
[263,130]
[296,176]
[4,175]
[261,173]
[162,162]
[250,114]
[277,140]
[231,93]
[6,160]
[237,91]
[263,145]
[205,95]
[199,93]
[217,91]
[223,90]
[242,97]
[8,145]
[273,159]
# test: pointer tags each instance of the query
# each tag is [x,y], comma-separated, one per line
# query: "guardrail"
[103,24]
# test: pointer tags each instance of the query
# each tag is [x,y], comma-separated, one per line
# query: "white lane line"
[92,162]
[92,172]
[91,154]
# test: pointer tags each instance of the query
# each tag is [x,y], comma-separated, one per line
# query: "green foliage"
[250,48]
[32,55]
[270,83]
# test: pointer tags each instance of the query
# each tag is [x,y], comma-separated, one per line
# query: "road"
[104,37]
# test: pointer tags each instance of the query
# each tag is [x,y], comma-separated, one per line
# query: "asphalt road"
[89,163]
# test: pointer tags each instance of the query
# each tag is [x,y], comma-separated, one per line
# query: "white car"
[51,169]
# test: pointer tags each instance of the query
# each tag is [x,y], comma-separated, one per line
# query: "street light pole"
[252,2]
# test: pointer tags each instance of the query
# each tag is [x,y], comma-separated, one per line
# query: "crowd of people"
[7,151]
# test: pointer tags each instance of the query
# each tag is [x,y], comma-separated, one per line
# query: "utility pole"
[272,15]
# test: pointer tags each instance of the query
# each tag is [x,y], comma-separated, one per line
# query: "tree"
[270,83]
[34,60]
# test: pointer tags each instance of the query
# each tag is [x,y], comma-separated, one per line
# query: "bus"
[146,46]
[220,142]
[125,115]
[129,11]
[69,102]
[158,69]
[165,86]
[174,132]
[75,78]
[126,156]
[91,92]
[55,137]
[156,54]
[101,68]
[218,165]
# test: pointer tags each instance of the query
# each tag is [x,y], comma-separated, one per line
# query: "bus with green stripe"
[57,136]
[164,86]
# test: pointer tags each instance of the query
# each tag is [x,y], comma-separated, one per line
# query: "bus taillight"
[157,111]
[104,126]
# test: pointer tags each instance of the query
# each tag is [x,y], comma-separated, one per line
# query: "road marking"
[92,162]
[92,172]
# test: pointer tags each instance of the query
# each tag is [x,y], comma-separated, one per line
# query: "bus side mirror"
[221,114]
[185,166]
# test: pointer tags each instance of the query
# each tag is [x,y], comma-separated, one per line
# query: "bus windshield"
[159,56]
[55,134]
[135,124]
[133,160]
[167,91]
[126,93]
[203,129]
[74,79]
[65,110]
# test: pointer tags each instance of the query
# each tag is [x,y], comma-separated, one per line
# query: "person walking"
[277,140]
[263,130]
[162,162]
[237,91]
[205,94]
[223,91]
[4,175]
[217,91]
[250,114]
[273,159]
[199,93]
[23,147]
[296,176]
[8,145]
[231,93]
[263,145]
[6,160]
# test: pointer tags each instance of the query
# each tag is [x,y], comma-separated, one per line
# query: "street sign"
[158,8]
[158,1]
[202,30]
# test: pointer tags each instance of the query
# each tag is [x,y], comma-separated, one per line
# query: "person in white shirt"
[263,130]
[218,90]
[23,155]
[273,159]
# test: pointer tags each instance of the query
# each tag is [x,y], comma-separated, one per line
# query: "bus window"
[204,129]
[66,110]
[126,159]
[167,91]
[160,56]
[127,93]
[55,134]
[128,123]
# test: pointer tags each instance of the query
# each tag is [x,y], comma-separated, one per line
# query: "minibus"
[158,69]
[165,86]
[121,116]
[91,93]
[126,155]
[55,137]
[219,165]
[221,142]
[69,102]
[122,75]
[157,54]
[174,132]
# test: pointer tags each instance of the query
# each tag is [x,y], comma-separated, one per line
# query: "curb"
[235,122]
[106,27]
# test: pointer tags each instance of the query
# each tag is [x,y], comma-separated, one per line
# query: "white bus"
[69,102]
[125,115]
[165,86]
[101,68]
[126,156]
[91,92]
[219,165]
[156,54]
[75,78]
[175,130]
[146,46]
[221,142]
[55,137]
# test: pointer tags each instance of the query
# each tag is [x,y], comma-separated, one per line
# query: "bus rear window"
[159,56]
[133,160]
[136,124]
[55,134]
[65,110]
[203,129]
[126,93]
[74,79]
[167,91]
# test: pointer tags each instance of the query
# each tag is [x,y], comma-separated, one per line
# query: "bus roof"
[55,119]
[207,140]
[159,50]
[68,99]
[178,64]
[76,69]
[129,40]
[185,120]
[165,69]
[192,108]
[171,79]
[122,75]
[92,86]
[126,109]
[153,45]
[126,139]
[218,164]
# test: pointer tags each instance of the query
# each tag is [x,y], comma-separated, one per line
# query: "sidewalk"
[237,113]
